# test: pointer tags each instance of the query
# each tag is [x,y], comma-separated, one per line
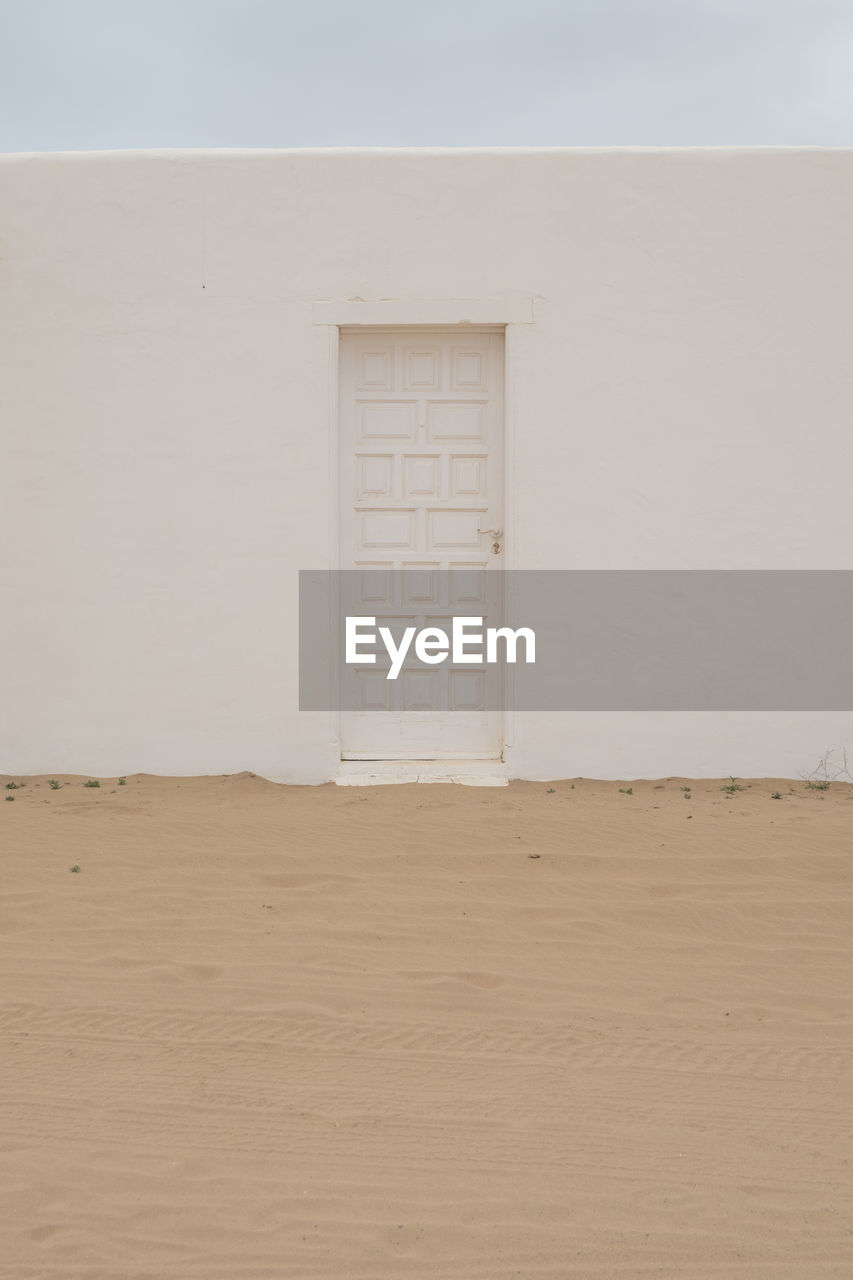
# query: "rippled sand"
[426,1031]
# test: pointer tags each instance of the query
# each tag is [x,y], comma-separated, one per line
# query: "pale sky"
[103,74]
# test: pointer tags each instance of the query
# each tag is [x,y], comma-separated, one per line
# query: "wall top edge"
[190,153]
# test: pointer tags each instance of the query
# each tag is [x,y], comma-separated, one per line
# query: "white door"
[421,416]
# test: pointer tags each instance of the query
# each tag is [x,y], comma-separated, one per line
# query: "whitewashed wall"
[681,400]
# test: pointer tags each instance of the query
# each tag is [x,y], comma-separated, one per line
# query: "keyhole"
[496,546]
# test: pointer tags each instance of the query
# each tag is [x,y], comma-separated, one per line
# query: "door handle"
[495,535]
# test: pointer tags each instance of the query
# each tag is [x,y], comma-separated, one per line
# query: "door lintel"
[396,312]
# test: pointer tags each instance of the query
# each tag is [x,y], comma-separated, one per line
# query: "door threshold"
[465,773]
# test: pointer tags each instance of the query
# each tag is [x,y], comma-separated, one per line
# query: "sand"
[426,1031]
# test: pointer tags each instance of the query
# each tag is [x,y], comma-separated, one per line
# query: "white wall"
[682,400]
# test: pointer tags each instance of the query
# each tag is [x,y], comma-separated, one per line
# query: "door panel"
[421,475]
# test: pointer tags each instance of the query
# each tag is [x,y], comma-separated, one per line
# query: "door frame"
[507,315]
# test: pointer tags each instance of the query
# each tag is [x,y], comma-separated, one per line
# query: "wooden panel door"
[421,416]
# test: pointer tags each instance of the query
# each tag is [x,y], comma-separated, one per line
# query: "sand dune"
[426,1031]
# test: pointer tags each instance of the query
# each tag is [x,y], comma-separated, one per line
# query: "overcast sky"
[95,74]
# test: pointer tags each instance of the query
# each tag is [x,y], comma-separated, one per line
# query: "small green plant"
[551,790]
[12,786]
[75,870]
[733,785]
[626,791]
[776,795]
[10,797]
[54,784]
[573,786]
[122,782]
[823,785]
[93,782]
